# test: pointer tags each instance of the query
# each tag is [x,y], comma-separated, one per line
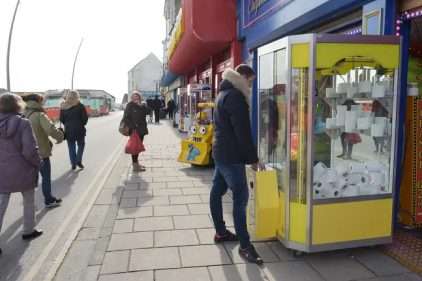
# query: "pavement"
[156,225]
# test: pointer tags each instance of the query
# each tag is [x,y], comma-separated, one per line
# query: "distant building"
[2,90]
[145,76]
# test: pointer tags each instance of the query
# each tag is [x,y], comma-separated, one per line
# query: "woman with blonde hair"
[74,117]
[19,162]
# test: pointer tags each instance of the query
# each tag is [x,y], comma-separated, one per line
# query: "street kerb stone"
[115,262]
[183,274]
[137,212]
[127,241]
[132,276]
[172,210]
[175,238]
[153,223]
[192,222]
[156,258]
[204,255]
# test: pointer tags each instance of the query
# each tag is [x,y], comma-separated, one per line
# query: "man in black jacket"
[233,148]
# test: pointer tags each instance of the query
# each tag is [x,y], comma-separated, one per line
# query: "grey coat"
[19,157]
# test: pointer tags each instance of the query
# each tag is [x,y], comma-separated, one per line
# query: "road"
[19,257]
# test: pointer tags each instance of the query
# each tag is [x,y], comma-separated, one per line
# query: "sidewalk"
[159,228]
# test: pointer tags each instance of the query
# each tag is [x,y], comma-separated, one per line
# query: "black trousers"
[157,115]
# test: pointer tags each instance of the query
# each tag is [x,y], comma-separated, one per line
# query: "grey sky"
[117,34]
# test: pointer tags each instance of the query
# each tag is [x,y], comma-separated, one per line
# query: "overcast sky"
[117,34]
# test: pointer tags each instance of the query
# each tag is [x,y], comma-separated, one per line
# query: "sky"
[117,34]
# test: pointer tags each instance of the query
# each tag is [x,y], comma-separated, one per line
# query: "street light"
[8,46]
[76,58]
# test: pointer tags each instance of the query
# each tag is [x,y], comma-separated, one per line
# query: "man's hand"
[258,166]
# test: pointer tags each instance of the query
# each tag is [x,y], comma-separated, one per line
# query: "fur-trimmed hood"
[239,82]
[71,99]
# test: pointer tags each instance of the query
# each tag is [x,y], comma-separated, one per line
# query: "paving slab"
[196,191]
[183,274]
[153,201]
[378,262]
[204,255]
[123,226]
[292,271]
[192,221]
[127,241]
[137,212]
[88,233]
[156,258]
[167,192]
[128,202]
[174,210]
[153,223]
[133,276]
[206,235]
[175,238]
[115,262]
[238,272]
[185,199]
[91,273]
[263,250]
[401,277]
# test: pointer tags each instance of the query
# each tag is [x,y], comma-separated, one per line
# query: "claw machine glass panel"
[327,111]
[182,108]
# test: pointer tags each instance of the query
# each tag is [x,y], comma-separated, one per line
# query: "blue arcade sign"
[255,10]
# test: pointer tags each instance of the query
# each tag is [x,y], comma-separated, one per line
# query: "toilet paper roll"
[377,130]
[350,121]
[357,168]
[381,120]
[322,190]
[357,179]
[330,123]
[341,115]
[365,87]
[334,193]
[377,179]
[330,93]
[350,190]
[375,167]
[342,88]
[364,123]
[342,170]
[330,176]
[368,189]
[341,183]
[319,170]
[352,91]
[379,90]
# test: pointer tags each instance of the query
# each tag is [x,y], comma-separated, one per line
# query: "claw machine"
[182,109]
[327,108]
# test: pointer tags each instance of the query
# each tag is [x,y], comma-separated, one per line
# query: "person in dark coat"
[74,117]
[19,162]
[171,106]
[156,106]
[135,119]
[233,148]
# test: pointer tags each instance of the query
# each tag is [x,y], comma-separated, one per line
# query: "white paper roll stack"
[364,123]
[365,87]
[330,123]
[350,190]
[350,123]
[379,90]
[342,88]
[319,171]
[375,167]
[341,115]
[352,91]
[357,168]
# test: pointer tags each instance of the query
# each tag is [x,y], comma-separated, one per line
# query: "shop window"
[353,131]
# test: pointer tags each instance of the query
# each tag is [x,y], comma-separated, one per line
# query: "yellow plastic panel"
[281,228]
[197,153]
[328,54]
[263,216]
[297,222]
[342,222]
[300,55]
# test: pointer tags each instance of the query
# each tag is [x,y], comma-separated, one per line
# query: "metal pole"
[76,58]
[8,46]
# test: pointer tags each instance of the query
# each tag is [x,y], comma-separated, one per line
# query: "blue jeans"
[231,176]
[75,154]
[45,172]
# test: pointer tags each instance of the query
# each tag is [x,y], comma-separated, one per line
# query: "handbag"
[123,128]
[134,145]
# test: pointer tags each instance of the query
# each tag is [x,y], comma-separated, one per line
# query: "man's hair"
[11,103]
[33,97]
[245,70]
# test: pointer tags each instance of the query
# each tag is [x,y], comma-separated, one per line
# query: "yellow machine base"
[196,153]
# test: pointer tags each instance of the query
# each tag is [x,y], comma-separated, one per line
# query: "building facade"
[145,76]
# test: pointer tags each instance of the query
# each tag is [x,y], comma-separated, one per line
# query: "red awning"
[209,28]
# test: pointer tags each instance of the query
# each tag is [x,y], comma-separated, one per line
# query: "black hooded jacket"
[233,142]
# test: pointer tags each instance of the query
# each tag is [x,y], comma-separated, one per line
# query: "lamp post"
[9,44]
[74,62]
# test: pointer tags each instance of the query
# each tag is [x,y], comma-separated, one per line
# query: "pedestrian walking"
[74,117]
[19,162]
[171,106]
[156,106]
[233,148]
[43,128]
[135,119]
[150,103]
